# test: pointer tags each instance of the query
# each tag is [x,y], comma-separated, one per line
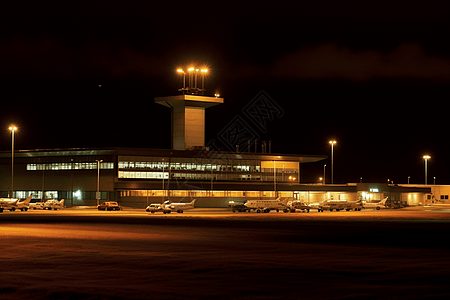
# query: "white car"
[155,207]
[54,204]
[36,205]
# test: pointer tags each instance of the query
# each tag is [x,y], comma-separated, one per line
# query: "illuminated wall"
[146,167]
[188,118]
[194,131]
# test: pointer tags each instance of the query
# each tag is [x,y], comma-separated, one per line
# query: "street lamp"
[203,71]
[324,166]
[190,70]
[181,71]
[12,128]
[275,179]
[332,143]
[426,157]
[163,176]
[98,179]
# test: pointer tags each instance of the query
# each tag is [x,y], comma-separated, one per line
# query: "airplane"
[167,207]
[178,207]
[267,205]
[8,203]
[338,205]
[24,205]
[357,206]
[332,205]
[377,206]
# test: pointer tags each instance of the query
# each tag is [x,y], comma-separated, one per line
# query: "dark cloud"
[49,57]
[330,61]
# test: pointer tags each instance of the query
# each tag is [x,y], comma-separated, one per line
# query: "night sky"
[372,75]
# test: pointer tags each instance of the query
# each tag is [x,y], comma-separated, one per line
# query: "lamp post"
[12,128]
[275,179]
[98,179]
[426,157]
[191,79]
[181,71]
[332,143]
[163,182]
[203,72]
[324,166]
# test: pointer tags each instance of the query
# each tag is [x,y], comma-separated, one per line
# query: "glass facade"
[36,194]
[143,175]
[79,195]
[70,166]
[223,169]
[203,193]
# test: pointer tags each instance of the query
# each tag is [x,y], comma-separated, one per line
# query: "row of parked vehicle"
[13,204]
[285,205]
[166,207]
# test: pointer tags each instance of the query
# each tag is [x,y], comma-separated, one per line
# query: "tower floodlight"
[193,88]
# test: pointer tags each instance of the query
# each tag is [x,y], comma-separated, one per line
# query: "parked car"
[36,205]
[109,206]
[54,204]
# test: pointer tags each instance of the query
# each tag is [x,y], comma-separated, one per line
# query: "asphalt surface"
[214,253]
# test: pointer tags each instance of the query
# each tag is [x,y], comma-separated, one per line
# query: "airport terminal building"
[135,177]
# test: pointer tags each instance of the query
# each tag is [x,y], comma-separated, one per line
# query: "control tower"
[188,111]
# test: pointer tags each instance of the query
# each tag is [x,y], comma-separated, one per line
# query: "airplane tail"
[61,202]
[284,200]
[193,202]
[27,201]
[166,205]
[383,202]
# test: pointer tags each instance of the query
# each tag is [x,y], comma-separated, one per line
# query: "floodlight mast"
[192,88]
[180,71]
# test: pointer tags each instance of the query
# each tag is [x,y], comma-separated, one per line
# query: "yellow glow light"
[12,128]
[180,71]
[191,69]
[426,157]
[332,142]
[204,70]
